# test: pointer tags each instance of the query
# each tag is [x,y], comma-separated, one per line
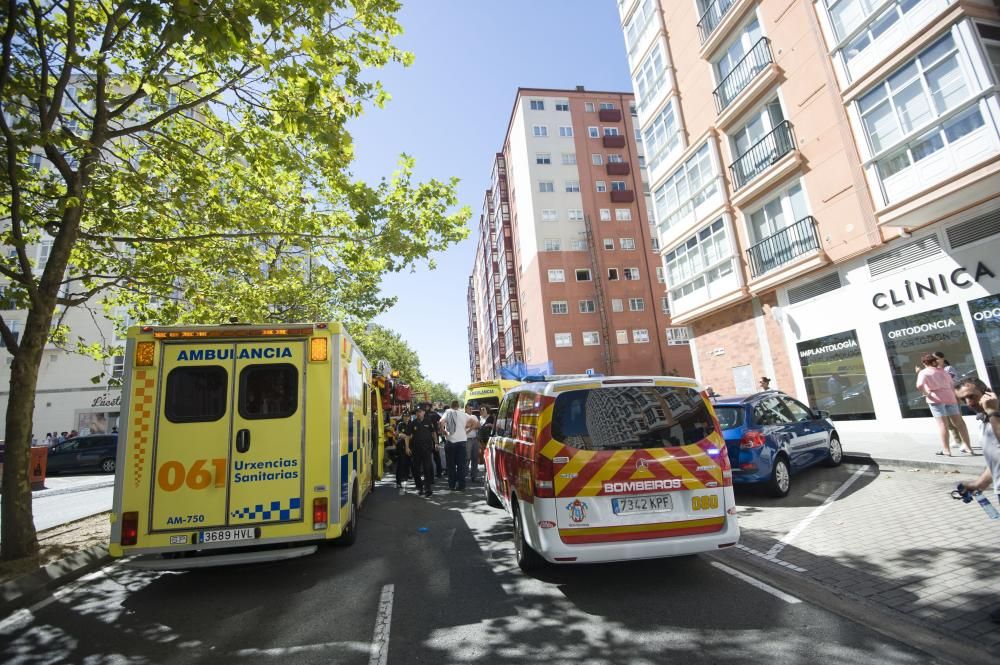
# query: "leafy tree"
[196,167]
[436,391]
[378,342]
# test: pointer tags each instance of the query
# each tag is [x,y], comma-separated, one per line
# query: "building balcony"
[743,73]
[784,246]
[619,168]
[712,17]
[779,142]
[610,115]
[622,196]
[613,141]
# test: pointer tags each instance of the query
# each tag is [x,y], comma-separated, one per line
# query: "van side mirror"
[823,414]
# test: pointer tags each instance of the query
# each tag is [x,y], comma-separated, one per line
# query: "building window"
[617,185]
[636,25]
[621,336]
[659,274]
[44,251]
[731,57]
[665,304]
[692,184]
[35,161]
[583,274]
[702,265]
[578,245]
[651,76]
[626,243]
[633,110]
[636,305]
[591,338]
[569,158]
[612,274]
[609,243]
[543,158]
[990,34]
[678,335]
[601,186]
[607,106]
[605,214]
[537,105]
[564,339]
[550,215]
[640,335]
[615,158]
[546,186]
[587,307]
[835,376]
[559,307]
[575,215]
[617,305]
[611,131]
[552,245]
[566,132]
[662,137]
[117,367]
[557,275]
[654,244]
[15,329]
[597,160]
[562,106]
[539,130]
[986,320]
[588,107]
[572,185]
[593,132]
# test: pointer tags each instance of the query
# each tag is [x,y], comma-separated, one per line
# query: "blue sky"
[449,110]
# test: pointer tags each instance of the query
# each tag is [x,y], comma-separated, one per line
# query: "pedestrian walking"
[455,421]
[939,391]
[472,442]
[420,436]
[977,396]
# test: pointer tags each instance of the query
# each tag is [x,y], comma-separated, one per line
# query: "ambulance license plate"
[653,503]
[227,535]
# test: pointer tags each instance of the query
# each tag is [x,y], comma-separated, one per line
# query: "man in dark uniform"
[435,419]
[421,436]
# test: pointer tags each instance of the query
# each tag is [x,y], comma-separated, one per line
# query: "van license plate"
[653,503]
[227,535]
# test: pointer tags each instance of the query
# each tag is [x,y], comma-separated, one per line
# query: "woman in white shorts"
[938,389]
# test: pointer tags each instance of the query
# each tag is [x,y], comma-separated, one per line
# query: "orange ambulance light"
[144,352]
[318,351]
[130,528]
[320,513]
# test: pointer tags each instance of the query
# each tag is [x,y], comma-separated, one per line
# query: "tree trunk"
[17,527]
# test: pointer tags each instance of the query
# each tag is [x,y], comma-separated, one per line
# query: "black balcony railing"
[754,62]
[762,154]
[712,17]
[783,246]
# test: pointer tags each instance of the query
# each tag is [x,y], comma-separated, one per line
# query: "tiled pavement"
[894,538]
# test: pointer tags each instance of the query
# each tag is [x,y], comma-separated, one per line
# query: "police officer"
[435,419]
[421,436]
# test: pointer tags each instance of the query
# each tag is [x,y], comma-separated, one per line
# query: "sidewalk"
[914,450]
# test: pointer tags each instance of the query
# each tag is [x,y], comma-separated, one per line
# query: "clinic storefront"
[856,349]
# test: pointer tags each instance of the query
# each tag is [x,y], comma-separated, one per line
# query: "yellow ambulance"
[242,443]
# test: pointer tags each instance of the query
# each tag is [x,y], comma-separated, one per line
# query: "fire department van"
[610,469]
[242,443]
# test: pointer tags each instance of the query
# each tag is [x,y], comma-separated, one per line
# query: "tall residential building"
[826,190]
[567,275]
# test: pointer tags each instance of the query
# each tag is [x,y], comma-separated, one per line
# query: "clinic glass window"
[269,391]
[986,320]
[835,377]
[662,136]
[690,185]
[908,338]
[196,394]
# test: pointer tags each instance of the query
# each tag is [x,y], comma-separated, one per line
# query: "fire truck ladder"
[599,288]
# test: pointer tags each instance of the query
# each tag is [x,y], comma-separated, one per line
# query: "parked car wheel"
[527,558]
[781,478]
[108,465]
[836,455]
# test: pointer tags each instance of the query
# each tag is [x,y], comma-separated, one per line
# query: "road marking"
[762,555]
[801,526]
[358,647]
[379,649]
[777,593]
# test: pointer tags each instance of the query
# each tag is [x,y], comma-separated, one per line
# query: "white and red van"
[598,469]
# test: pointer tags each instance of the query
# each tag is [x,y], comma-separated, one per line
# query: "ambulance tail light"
[130,528]
[544,474]
[752,440]
[321,513]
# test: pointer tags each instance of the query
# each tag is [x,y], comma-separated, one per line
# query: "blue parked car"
[82,453]
[770,435]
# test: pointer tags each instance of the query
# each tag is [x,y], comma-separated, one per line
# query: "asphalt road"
[450,594]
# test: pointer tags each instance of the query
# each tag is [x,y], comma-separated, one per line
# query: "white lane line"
[801,526]
[777,593]
[357,647]
[379,649]
[762,555]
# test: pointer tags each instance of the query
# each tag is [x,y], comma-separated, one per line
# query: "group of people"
[421,436]
[936,381]
[53,438]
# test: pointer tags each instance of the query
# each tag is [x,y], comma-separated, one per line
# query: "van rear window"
[630,417]
[269,391]
[196,394]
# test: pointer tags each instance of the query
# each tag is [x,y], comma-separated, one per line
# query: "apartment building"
[826,190]
[567,275]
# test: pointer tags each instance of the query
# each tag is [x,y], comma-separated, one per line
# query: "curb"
[866,458]
[71,490]
[25,589]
